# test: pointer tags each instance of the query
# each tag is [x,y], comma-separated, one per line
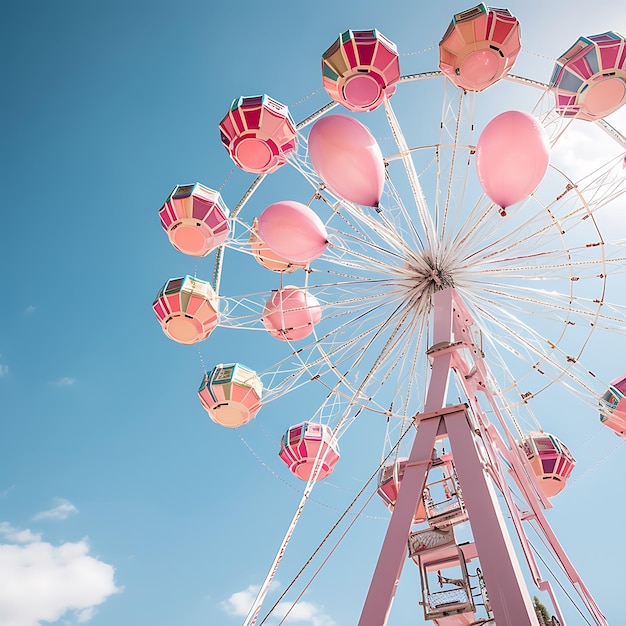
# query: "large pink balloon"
[512,157]
[347,158]
[293,231]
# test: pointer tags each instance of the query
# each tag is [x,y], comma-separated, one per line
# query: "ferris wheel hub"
[427,276]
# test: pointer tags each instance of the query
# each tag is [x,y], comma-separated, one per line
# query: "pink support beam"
[511,601]
[393,553]
[507,590]
[476,448]
[520,471]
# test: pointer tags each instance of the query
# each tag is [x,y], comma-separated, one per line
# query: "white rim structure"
[535,280]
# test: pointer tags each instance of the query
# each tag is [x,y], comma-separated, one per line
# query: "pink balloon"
[291,313]
[512,157]
[347,158]
[293,231]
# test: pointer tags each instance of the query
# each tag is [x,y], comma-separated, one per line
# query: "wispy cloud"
[65,381]
[10,533]
[30,309]
[5,492]
[85,614]
[4,369]
[304,612]
[45,582]
[61,511]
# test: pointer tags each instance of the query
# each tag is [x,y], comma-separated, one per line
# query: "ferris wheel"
[438,277]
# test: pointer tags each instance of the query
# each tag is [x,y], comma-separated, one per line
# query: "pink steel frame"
[475,444]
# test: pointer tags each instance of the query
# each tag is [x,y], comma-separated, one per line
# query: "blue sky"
[110,468]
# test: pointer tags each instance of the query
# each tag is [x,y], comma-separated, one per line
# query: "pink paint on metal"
[195,219]
[231,394]
[393,552]
[360,69]
[258,133]
[293,231]
[347,158]
[550,459]
[460,619]
[307,446]
[362,90]
[475,459]
[589,79]
[389,481]
[266,257]
[441,504]
[187,309]
[602,97]
[511,601]
[479,47]
[291,313]
[160,310]
[446,587]
[535,501]
[512,157]
[620,384]
[507,589]
[255,154]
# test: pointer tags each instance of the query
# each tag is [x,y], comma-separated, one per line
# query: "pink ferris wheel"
[447,278]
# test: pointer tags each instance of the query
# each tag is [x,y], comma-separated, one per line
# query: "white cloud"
[66,381]
[581,152]
[17,536]
[30,309]
[304,612]
[61,511]
[585,149]
[42,582]
[85,615]
[4,369]
[239,603]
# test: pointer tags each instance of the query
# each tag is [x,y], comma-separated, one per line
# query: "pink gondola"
[550,459]
[186,309]
[291,313]
[589,80]
[447,596]
[613,406]
[389,479]
[258,133]
[441,503]
[361,69]
[195,219]
[303,443]
[479,47]
[231,394]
